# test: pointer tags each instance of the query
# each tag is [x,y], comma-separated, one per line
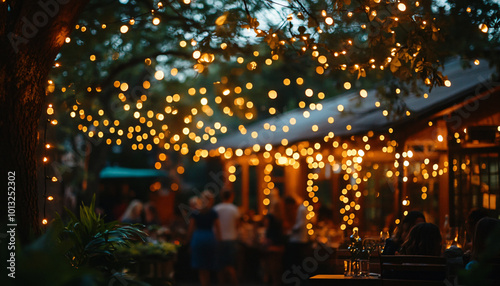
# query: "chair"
[412,270]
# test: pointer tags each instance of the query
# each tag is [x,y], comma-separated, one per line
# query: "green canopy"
[120,172]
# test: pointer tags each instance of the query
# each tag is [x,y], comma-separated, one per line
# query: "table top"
[340,279]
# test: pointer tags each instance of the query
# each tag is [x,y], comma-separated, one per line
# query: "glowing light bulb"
[159,75]
[483,28]
[363,93]
[124,29]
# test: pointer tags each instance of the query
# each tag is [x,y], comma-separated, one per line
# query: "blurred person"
[195,203]
[229,216]
[485,241]
[274,239]
[423,239]
[204,232]
[393,245]
[470,224]
[296,247]
[133,213]
[151,215]
[249,256]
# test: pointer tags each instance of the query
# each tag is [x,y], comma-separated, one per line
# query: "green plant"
[162,250]
[93,241]
[42,263]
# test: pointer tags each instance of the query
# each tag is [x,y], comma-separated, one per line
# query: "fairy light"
[225,104]
[124,29]
[268,186]
[484,28]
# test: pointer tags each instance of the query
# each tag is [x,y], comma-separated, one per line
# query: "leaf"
[71,214]
[221,19]
[361,73]
[419,66]
[395,64]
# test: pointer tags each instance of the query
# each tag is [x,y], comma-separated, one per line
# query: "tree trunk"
[31,35]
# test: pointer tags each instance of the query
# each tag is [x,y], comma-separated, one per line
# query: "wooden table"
[340,279]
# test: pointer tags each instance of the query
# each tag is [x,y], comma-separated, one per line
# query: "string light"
[206,107]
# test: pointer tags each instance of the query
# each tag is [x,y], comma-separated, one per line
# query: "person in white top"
[229,217]
[299,230]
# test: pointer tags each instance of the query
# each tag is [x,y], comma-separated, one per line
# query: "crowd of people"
[219,240]
[214,233]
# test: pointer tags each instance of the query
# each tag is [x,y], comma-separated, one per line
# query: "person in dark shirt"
[423,239]
[204,231]
[275,241]
[392,245]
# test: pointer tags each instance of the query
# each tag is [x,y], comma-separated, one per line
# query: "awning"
[120,172]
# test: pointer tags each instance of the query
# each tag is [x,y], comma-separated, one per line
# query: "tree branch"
[137,60]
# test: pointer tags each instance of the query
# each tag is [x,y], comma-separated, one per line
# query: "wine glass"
[384,235]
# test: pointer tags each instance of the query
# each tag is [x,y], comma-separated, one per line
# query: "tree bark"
[31,35]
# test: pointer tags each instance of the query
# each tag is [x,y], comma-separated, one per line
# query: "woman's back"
[205,219]
[423,239]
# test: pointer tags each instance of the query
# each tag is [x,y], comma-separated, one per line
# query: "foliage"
[163,250]
[402,43]
[316,40]
[43,263]
[93,241]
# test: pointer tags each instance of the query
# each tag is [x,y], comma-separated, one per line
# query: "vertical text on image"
[11,223]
